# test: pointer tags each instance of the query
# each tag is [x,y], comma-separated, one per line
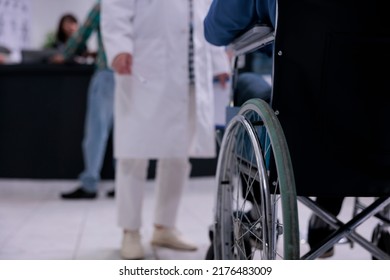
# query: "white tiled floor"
[36,224]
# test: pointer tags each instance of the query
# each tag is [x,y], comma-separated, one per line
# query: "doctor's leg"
[130,184]
[172,177]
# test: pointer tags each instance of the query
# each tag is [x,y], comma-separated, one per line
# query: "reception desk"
[42,110]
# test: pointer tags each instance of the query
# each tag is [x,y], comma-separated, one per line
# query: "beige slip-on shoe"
[131,246]
[171,238]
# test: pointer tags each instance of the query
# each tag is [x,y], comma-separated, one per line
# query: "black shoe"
[79,193]
[318,231]
[111,193]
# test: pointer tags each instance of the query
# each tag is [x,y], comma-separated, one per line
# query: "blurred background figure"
[99,115]
[67,26]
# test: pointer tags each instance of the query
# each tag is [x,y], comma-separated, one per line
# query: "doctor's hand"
[2,59]
[223,78]
[122,63]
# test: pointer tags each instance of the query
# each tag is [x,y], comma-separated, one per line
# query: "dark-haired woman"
[67,25]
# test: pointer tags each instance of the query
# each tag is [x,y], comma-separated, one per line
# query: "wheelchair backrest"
[331,88]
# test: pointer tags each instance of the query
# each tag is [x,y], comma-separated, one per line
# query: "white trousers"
[171,177]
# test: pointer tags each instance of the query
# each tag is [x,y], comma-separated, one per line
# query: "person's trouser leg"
[98,124]
[251,85]
[130,184]
[171,178]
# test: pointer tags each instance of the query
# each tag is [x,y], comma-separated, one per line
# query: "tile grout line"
[80,234]
[22,224]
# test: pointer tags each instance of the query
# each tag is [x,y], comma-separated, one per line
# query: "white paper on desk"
[221,101]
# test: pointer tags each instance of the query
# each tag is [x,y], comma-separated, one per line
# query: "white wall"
[46,14]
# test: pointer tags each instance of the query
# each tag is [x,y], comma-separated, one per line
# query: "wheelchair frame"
[234,231]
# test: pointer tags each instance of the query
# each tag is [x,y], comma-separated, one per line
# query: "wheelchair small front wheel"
[381,239]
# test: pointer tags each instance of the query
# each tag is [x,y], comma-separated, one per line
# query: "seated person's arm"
[227,19]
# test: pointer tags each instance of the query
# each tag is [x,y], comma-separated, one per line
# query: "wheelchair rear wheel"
[256,210]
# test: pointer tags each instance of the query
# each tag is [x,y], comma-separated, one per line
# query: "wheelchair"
[323,134]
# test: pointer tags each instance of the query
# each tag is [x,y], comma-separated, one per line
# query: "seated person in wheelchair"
[227,20]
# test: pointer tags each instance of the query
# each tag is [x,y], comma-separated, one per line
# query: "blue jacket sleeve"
[227,19]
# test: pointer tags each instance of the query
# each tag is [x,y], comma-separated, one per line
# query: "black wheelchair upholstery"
[331,90]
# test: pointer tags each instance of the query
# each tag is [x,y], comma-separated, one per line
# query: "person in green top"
[67,25]
[99,115]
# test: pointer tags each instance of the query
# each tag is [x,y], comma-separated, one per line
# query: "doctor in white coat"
[163,107]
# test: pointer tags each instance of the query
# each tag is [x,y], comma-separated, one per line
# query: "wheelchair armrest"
[253,39]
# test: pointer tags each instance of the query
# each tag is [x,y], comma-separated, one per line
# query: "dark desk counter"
[42,109]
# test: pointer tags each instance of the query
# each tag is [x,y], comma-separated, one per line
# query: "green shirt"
[91,24]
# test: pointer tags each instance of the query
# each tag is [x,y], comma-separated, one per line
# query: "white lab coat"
[152,117]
